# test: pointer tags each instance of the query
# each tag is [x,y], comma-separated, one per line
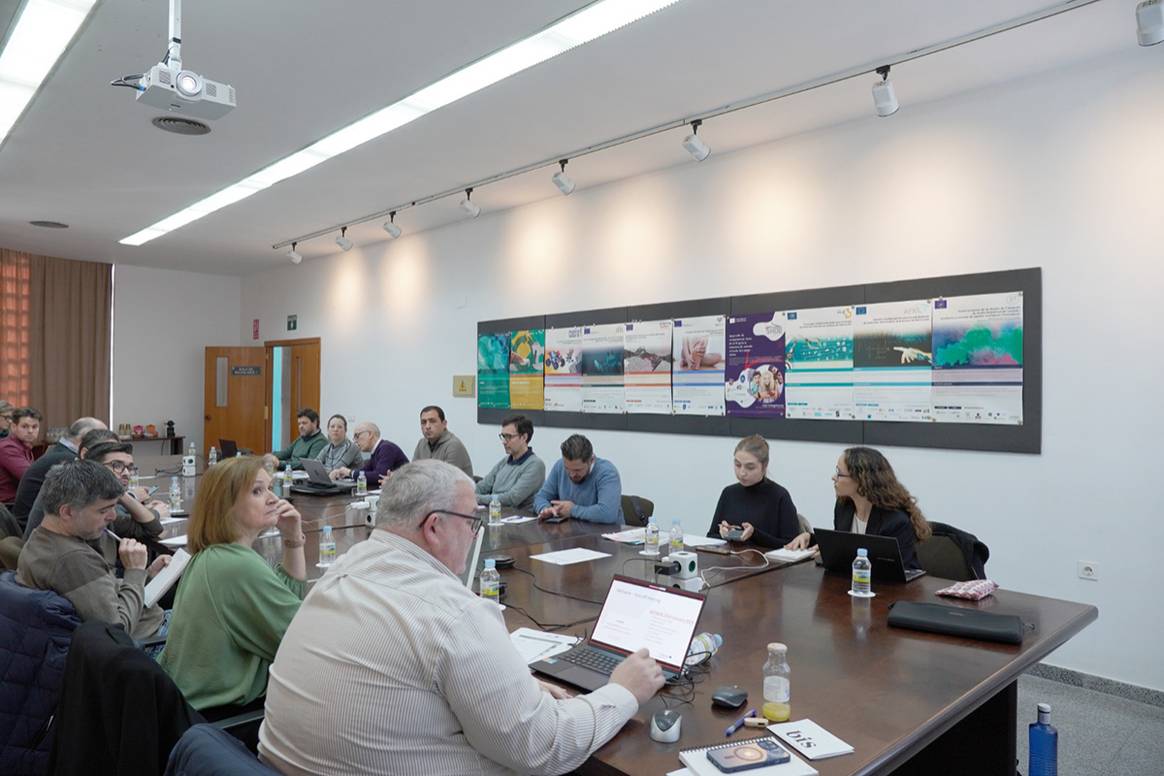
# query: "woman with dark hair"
[871,500]
[760,508]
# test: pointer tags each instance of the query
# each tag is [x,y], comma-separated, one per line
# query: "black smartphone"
[735,534]
[747,755]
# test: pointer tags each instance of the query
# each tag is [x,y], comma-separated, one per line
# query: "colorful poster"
[820,363]
[698,346]
[892,360]
[527,358]
[978,359]
[647,363]
[563,369]
[493,370]
[602,389]
[754,386]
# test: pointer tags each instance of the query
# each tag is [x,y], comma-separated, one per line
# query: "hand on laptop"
[799,543]
[556,692]
[640,675]
[342,473]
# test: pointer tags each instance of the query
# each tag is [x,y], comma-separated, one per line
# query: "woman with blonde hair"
[759,508]
[232,609]
[871,500]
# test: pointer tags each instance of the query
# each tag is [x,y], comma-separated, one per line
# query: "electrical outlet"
[1089,570]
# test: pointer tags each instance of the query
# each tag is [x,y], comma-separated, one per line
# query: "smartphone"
[556,519]
[735,534]
[747,755]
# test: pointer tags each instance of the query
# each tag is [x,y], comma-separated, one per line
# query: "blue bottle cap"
[863,553]
[491,563]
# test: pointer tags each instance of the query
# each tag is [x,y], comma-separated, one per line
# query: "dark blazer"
[33,479]
[882,522]
[385,458]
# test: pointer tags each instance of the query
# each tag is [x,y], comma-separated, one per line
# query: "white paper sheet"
[157,587]
[789,556]
[176,541]
[517,519]
[567,557]
[691,540]
[534,645]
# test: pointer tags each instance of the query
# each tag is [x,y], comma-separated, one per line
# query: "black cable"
[557,592]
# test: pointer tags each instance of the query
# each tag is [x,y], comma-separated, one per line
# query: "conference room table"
[908,702]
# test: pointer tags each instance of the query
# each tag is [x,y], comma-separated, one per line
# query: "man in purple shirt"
[16,451]
[384,459]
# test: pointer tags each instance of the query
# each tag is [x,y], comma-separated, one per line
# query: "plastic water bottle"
[134,478]
[362,484]
[862,574]
[192,451]
[288,479]
[238,454]
[494,510]
[326,547]
[175,495]
[651,546]
[491,581]
[703,647]
[212,456]
[777,684]
[1044,741]
[676,536]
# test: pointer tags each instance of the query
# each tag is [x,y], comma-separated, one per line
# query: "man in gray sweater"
[438,443]
[517,477]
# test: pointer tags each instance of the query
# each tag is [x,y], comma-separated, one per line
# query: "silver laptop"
[635,614]
[318,482]
[474,557]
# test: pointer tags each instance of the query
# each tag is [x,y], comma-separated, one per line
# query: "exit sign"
[292,322]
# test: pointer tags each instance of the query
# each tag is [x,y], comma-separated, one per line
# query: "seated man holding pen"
[80,499]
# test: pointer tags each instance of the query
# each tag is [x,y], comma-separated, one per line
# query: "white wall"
[162,320]
[1061,171]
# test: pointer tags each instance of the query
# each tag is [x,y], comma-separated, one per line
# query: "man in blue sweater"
[581,486]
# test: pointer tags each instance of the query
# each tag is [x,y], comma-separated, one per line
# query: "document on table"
[691,540]
[534,645]
[168,520]
[789,556]
[632,536]
[566,557]
[165,579]
[175,541]
[517,519]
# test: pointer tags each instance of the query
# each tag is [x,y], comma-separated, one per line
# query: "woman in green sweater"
[232,609]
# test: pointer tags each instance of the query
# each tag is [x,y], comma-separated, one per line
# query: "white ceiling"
[85,154]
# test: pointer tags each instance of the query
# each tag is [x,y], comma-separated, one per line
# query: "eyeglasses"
[477,521]
[359,434]
[507,437]
[120,467]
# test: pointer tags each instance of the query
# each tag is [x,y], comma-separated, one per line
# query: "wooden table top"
[886,691]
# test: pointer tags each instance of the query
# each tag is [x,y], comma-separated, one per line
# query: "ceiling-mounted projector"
[169,86]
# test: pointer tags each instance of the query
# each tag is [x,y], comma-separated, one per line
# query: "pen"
[536,638]
[115,536]
[739,723]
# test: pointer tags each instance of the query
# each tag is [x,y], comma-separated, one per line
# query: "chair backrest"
[805,526]
[9,525]
[10,547]
[941,557]
[636,510]
[205,750]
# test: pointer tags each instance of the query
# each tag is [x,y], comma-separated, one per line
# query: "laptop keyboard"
[594,659]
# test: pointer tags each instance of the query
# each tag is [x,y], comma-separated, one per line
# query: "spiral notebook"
[697,762]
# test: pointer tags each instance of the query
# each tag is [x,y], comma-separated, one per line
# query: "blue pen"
[739,723]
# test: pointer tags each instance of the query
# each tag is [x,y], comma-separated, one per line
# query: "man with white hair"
[393,666]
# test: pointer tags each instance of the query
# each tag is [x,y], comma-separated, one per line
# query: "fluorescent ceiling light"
[38,38]
[592,22]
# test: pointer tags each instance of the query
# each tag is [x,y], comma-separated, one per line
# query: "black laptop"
[635,614]
[227,448]
[838,548]
[318,483]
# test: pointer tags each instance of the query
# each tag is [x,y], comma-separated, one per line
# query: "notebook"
[166,578]
[810,739]
[635,614]
[697,762]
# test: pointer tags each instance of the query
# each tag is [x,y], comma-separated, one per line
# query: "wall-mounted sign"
[246,371]
[255,329]
[465,385]
[292,322]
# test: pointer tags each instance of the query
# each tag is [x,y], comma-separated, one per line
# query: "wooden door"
[293,383]
[234,401]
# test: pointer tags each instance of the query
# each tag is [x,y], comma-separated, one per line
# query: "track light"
[563,181]
[884,100]
[390,226]
[294,255]
[1150,22]
[698,149]
[469,206]
[342,241]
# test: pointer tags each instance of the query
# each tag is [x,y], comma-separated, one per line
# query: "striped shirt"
[392,666]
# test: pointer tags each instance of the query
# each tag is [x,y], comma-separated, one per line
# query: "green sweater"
[230,614]
[302,447]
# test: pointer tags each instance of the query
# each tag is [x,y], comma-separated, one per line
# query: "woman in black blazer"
[870,500]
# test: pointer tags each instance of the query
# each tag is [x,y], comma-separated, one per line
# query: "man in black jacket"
[66,449]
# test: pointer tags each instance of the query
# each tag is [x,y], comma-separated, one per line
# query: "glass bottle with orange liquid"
[777,690]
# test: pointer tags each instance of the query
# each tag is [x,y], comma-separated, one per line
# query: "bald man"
[384,459]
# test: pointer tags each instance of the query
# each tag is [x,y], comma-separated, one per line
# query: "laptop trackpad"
[573,674]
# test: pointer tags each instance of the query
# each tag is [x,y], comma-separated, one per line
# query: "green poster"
[493,370]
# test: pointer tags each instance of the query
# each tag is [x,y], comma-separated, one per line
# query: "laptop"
[838,548]
[318,483]
[227,448]
[635,614]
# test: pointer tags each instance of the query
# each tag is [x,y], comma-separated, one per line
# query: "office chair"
[636,510]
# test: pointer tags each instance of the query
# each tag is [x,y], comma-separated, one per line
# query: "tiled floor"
[1099,734]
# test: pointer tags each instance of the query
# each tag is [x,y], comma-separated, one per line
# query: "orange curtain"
[14,323]
[65,358]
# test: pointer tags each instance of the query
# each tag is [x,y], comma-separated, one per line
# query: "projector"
[186,92]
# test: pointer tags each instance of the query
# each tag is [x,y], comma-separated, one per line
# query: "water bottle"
[175,495]
[777,685]
[491,582]
[362,484]
[1044,745]
[651,547]
[862,574]
[494,510]
[676,536]
[288,479]
[703,647]
[192,451]
[212,456]
[134,478]
[238,454]
[326,547]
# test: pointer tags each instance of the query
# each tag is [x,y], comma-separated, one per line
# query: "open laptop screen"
[639,614]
